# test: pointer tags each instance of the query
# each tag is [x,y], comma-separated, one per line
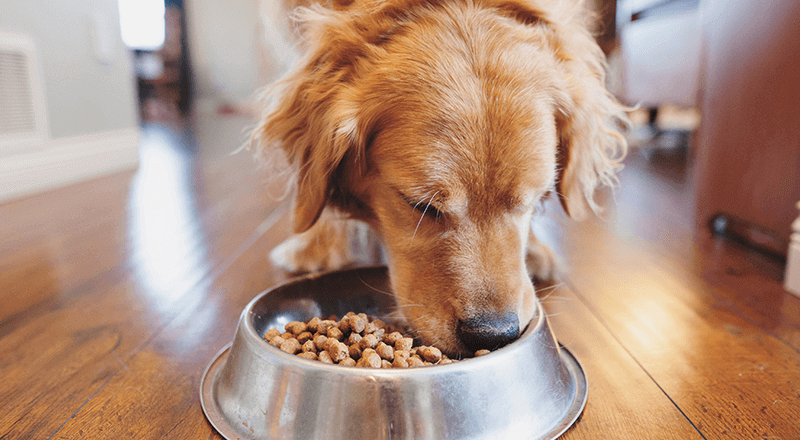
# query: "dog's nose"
[488,331]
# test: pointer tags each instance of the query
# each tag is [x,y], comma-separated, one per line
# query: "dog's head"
[443,125]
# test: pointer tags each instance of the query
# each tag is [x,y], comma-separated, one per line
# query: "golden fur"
[442,125]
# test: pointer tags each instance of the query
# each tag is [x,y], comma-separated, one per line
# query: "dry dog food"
[355,340]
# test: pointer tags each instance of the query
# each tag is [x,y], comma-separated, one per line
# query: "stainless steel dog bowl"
[530,389]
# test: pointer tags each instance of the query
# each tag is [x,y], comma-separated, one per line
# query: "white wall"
[89,97]
[223,45]
[237,47]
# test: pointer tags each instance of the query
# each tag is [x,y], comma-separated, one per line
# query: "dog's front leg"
[332,243]
[541,261]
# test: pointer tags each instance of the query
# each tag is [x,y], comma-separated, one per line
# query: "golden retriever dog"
[442,124]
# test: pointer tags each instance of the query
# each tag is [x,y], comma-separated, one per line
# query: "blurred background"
[85,83]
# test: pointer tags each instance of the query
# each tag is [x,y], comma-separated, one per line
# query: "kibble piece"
[308,355]
[353,338]
[303,337]
[385,351]
[368,341]
[309,347]
[287,335]
[323,356]
[404,344]
[415,361]
[445,361]
[290,346]
[385,364]
[482,352]
[392,337]
[276,341]
[401,354]
[370,360]
[337,351]
[349,362]
[358,323]
[399,362]
[313,325]
[271,333]
[325,325]
[296,327]
[320,341]
[335,333]
[355,351]
[344,324]
[328,343]
[431,354]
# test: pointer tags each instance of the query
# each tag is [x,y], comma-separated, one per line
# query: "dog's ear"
[589,121]
[312,116]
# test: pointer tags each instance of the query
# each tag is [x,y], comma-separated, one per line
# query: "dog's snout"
[488,331]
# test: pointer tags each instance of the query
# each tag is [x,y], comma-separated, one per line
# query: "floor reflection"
[168,249]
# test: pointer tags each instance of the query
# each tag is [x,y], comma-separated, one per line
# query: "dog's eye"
[428,210]
[423,207]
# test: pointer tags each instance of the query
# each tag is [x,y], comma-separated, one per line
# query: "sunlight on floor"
[169,254]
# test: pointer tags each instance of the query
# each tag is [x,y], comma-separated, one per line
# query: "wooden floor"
[116,293]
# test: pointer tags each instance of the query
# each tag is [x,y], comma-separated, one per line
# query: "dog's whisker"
[418,320]
[376,289]
[423,331]
[423,215]
[557,299]
[393,295]
[407,302]
[550,290]
[550,287]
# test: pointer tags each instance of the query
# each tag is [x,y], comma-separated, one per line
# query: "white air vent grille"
[17,111]
[23,122]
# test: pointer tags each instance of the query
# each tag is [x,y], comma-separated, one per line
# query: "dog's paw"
[300,254]
[542,262]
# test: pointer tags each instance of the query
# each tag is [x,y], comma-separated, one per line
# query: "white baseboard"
[792,277]
[60,162]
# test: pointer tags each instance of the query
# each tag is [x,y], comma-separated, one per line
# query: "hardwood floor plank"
[48,215]
[620,392]
[89,310]
[79,338]
[158,391]
[655,209]
[721,370]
